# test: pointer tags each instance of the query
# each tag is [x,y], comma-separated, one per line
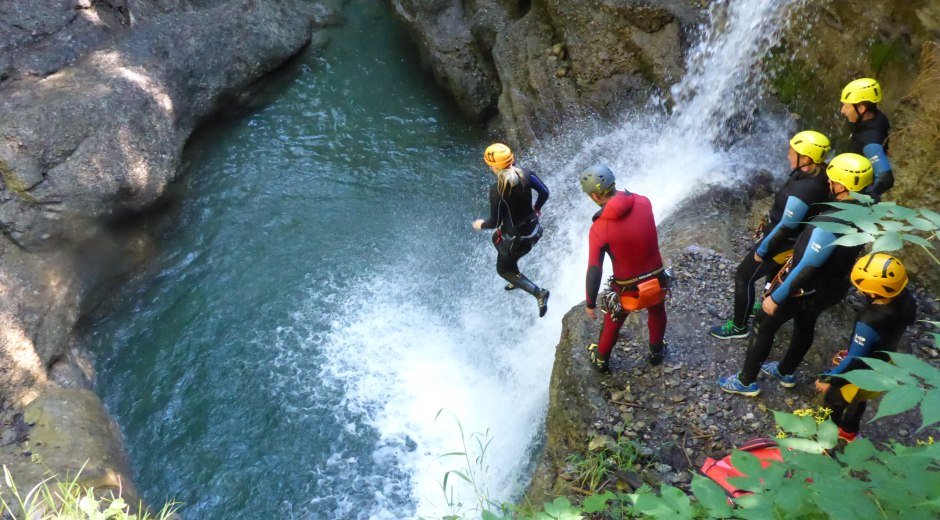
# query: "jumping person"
[515,219]
[815,278]
[889,310]
[794,203]
[870,127]
[624,229]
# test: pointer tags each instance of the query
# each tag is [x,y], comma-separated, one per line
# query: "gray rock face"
[541,62]
[98,98]
[105,134]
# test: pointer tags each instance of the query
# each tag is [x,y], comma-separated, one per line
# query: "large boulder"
[543,61]
[98,100]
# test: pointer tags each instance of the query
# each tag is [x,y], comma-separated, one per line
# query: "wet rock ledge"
[98,99]
[676,413]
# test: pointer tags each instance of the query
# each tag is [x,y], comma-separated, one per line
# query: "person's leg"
[762,340]
[834,401]
[747,274]
[804,329]
[852,418]
[610,331]
[656,323]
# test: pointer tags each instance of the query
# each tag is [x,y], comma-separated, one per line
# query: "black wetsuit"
[818,279]
[795,202]
[517,226]
[870,138]
[877,332]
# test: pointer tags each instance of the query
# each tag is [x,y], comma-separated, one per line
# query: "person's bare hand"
[822,387]
[478,224]
[591,313]
[769,306]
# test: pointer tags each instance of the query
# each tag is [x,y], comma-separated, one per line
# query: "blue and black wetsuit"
[870,138]
[796,202]
[516,221]
[817,280]
[877,331]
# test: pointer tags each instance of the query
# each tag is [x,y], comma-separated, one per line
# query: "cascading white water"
[417,341]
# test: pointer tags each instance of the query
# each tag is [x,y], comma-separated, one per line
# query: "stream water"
[321,321]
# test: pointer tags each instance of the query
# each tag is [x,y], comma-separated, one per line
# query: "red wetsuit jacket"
[624,229]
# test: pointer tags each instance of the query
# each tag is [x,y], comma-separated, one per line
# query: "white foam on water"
[401,357]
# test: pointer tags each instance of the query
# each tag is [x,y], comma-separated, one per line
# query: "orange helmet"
[499,156]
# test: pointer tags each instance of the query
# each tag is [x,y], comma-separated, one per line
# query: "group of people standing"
[810,270]
[796,249]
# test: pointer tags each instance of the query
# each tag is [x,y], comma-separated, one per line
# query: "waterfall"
[409,339]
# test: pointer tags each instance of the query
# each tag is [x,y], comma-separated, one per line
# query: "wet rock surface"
[676,412]
[99,99]
[542,62]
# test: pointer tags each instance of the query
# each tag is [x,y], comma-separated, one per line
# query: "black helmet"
[597,179]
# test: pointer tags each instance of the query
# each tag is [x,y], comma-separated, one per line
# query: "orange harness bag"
[649,292]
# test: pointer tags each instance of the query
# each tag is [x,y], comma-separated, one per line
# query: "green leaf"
[596,503]
[489,515]
[922,224]
[751,467]
[855,239]
[678,501]
[914,239]
[800,426]
[835,227]
[804,445]
[459,474]
[871,380]
[919,368]
[930,408]
[827,434]
[561,509]
[867,226]
[899,211]
[890,225]
[899,401]
[711,496]
[931,215]
[888,242]
[857,452]
[898,374]
[652,505]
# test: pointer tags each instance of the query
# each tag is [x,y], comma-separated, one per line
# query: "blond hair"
[508,178]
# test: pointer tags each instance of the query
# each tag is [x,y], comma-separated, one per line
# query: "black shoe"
[597,362]
[509,287]
[541,298]
[657,354]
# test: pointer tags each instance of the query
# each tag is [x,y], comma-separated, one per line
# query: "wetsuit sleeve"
[539,188]
[864,343]
[817,252]
[884,176]
[592,281]
[495,208]
[793,214]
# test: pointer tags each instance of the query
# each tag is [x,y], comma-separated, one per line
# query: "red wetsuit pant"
[655,320]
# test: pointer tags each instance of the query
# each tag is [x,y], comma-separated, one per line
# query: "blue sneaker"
[772,369]
[728,330]
[733,385]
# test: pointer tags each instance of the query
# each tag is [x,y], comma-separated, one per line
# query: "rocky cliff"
[98,100]
[899,44]
[675,413]
[539,63]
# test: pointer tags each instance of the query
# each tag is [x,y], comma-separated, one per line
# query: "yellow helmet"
[865,89]
[880,274]
[811,144]
[498,155]
[851,170]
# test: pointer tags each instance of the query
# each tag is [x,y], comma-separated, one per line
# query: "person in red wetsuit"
[624,229]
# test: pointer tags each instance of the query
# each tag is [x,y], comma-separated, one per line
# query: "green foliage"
[592,470]
[53,499]
[884,225]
